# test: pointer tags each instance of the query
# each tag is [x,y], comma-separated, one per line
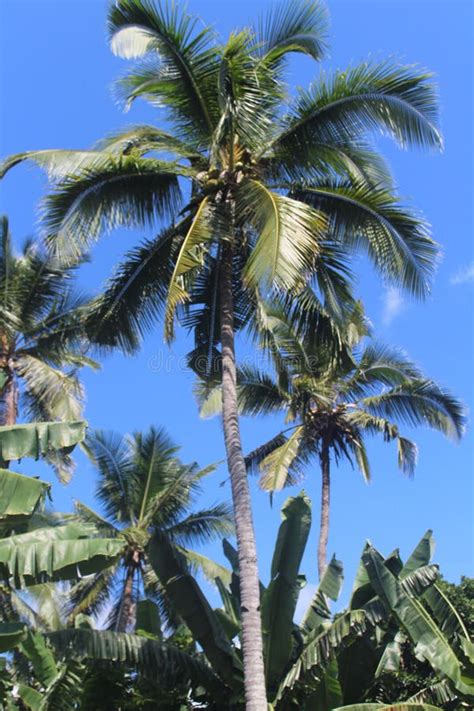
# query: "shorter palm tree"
[331,406]
[144,488]
[41,336]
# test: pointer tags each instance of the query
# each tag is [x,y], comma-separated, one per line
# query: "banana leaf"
[19,495]
[281,596]
[160,662]
[55,553]
[431,643]
[39,438]
[171,568]
[330,586]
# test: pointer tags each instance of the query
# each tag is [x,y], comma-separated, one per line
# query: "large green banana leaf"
[431,643]
[19,495]
[40,657]
[320,649]
[281,596]
[171,568]
[330,586]
[56,553]
[39,438]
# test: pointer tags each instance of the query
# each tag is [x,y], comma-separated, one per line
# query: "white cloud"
[464,275]
[394,304]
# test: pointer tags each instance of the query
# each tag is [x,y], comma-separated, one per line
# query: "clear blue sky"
[56,74]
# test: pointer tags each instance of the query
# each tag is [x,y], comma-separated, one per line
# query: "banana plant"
[45,553]
[322,662]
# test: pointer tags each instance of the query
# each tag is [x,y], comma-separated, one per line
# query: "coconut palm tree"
[331,407]
[143,487]
[40,335]
[270,180]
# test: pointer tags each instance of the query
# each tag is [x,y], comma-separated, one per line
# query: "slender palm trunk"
[252,646]
[9,396]
[126,615]
[325,502]
[9,393]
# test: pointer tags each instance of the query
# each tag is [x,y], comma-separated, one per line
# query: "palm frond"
[296,26]
[133,298]
[288,235]
[278,467]
[420,402]
[187,62]
[121,191]
[398,100]
[59,394]
[371,219]
[203,526]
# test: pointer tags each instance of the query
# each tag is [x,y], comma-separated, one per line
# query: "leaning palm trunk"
[325,502]
[254,676]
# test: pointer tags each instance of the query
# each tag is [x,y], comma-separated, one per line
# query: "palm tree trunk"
[126,615]
[325,501]
[252,646]
[9,396]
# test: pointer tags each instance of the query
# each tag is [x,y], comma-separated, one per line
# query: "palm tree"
[143,487]
[272,186]
[40,334]
[331,407]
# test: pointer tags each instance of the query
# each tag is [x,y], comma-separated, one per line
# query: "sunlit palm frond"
[278,468]
[188,66]
[288,235]
[59,394]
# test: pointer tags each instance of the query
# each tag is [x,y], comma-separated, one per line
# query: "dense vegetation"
[261,202]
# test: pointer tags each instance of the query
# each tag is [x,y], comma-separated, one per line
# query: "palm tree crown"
[42,340]
[144,488]
[332,405]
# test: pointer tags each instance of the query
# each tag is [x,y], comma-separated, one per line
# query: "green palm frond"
[197,238]
[399,101]
[379,364]
[112,456]
[296,26]
[288,235]
[371,219]
[278,467]
[120,190]
[420,402]
[188,67]
[143,139]
[58,394]
[407,455]
[254,459]
[203,526]
[134,297]
[148,655]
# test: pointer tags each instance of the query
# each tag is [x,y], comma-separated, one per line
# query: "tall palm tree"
[40,332]
[143,488]
[331,407]
[272,184]
[42,340]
